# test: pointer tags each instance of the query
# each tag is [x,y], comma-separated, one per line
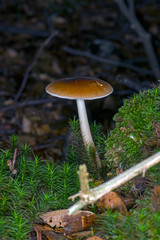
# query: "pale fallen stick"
[94,194]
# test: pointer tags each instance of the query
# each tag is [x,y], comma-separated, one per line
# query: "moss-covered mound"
[137,131]
[135,137]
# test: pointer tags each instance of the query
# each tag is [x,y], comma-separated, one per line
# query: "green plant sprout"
[38,186]
[77,153]
[140,224]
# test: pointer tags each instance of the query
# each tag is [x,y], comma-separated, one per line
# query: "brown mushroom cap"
[79,88]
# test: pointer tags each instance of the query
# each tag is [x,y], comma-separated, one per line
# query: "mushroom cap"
[79,88]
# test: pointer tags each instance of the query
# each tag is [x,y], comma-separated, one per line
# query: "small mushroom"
[80,89]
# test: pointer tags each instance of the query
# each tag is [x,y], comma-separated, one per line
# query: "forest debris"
[24,81]
[58,20]
[56,68]
[94,238]
[119,63]
[156,199]
[129,13]
[97,192]
[112,201]
[50,233]
[42,130]
[10,29]
[127,198]
[12,52]
[79,235]
[26,125]
[11,164]
[47,231]
[140,185]
[61,221]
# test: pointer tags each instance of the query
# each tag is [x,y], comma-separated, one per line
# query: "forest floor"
[82,36]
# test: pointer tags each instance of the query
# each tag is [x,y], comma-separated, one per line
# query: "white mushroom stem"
[85,129]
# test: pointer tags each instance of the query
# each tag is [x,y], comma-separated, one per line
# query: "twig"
[84,182]
[4,93]
[11,164]
[127,82]
[107,61]
[53,34]
[49,145]
[130,15]
[135,85]
[26,31]
[28,103]
[98,192]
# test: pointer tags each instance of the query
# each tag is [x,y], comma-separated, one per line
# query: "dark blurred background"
[42,41]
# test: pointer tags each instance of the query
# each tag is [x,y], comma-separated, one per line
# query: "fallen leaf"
[48,232]
[156,198]
[94,238]
[26,125]
[56,67]
[97,183]
[12,53]
[80,235]
[111,200]
[127,198]
[61,221]
[140,184]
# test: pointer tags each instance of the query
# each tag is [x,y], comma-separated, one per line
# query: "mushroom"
[80,89]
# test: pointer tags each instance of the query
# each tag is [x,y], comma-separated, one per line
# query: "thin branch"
[28,103]
[98,192]
[11,164]
[26,31]
[130,15]
[131,4]
[83,178]
[135,85]
[24,81]
[125,81]
[107,61]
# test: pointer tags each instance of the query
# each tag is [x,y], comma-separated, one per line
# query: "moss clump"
[142,224]
[77,153]
[38,186]
[137,130]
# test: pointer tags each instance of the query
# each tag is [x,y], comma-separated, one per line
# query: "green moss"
[136,136]
[41,185]
[137,128]
[77,153]
[140,224]
[38,186]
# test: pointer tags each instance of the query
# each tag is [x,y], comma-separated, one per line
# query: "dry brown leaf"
[111,200]
[56,67]
[48,232]
[97,183]
[140,184]
[80,235]
[5,127]
[94,238]
[26,125]
[156,198]
[63,222]
[127,198]
[11,53]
